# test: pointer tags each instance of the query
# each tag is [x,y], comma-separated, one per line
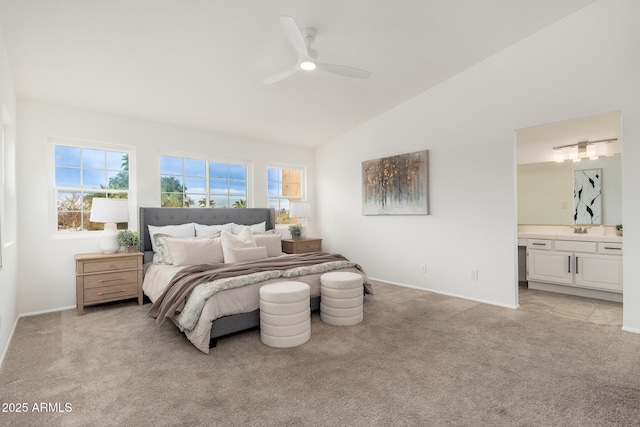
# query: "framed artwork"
[396,185]
[587,196]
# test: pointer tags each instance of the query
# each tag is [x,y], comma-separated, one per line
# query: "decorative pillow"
[272,242]
[161,255]
[242,240]
[212,230]
[255,228]
[245,254]
[183,230]
[194,250]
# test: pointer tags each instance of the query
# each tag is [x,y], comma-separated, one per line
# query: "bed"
[232,308]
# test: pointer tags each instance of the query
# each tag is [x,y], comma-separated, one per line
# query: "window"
[284,185]
[199,183]
[81,174]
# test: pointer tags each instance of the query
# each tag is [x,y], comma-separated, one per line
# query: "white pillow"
[211,230]
[195,250]
[255,228]
[272,242]
[245,254]
[242,240]
[183,230]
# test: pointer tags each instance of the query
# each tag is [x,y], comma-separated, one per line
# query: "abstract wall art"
[396,185]
[587,196]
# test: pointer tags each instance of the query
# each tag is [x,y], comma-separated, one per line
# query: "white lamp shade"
[300,210]
[109,210]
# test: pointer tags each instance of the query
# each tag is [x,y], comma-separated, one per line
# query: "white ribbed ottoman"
[341,295]
[285,314]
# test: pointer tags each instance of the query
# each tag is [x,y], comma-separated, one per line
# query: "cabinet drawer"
[574,246]
[107,293]
[610,248]
[308,247]
[108,265]
[110,279]
[539,244]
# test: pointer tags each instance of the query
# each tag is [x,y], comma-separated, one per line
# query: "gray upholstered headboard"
[206,216]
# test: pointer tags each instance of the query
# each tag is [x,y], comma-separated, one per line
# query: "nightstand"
[107,277]
[300,246]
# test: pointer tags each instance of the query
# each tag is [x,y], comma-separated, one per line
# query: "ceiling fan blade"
[294,34]
[281,75]
[343,70]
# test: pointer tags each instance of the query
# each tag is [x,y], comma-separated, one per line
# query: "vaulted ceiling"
[201,63]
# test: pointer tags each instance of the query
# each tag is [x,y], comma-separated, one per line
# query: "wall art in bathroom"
[587,196]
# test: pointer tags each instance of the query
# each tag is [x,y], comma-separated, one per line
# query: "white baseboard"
[448,294]
[632,330]
[4,353]
[53,310]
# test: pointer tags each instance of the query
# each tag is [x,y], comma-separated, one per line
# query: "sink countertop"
[571,236]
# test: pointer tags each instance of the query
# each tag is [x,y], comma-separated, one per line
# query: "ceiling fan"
[307,57]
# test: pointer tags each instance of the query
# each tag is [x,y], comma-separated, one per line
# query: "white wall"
[8,244]
[584,65]
[46,262]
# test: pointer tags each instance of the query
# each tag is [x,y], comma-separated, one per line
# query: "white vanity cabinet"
[549,266]
[572,266]
[598,271]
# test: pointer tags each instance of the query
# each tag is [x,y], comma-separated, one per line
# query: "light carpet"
[417,359]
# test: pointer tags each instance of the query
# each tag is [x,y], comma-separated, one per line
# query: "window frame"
[53,189]
[208,160]
[303,188]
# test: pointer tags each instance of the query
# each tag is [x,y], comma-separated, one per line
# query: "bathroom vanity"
[577,264]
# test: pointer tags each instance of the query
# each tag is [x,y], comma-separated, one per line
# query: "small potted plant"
[129,239]
[296,231]
[619,230]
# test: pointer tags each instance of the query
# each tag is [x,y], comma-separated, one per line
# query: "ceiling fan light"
[308,65]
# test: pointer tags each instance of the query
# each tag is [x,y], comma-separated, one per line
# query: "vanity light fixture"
[581,150]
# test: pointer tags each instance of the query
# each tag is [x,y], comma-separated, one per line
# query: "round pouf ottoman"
[341,295]
[285,314]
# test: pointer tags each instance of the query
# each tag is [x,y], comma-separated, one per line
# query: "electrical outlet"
[474,274]
[423,268]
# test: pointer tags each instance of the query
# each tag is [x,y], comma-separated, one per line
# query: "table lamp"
[110,212]
[300,210]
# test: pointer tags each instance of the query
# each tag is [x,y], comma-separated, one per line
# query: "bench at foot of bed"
[229,325]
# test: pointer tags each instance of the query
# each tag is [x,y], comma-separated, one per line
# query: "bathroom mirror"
[546,191]
[546,187]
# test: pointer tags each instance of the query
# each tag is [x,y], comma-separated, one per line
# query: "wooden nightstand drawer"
[110,279]
[299,246]
[108,293]
[314,246]
[109,265]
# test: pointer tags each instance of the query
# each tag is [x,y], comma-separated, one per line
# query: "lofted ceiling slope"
[201,63]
